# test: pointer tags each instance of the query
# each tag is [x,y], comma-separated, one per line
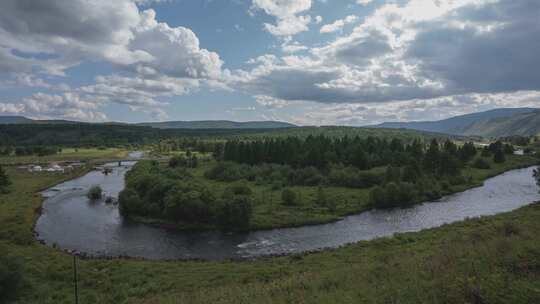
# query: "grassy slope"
[269,212]
[489,260]
[525,124]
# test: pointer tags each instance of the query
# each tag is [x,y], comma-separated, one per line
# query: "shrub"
[393,195]
[289,197]
[321,199]
[236,212]
[377,196]
[10,276]
[4,180]
[178,161]
[499,156]
[239,188]
[95,193]
[481,163]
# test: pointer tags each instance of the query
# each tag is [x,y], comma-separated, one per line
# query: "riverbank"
[493,260]
[270,213]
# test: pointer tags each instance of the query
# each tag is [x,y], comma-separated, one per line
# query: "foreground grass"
[67,154]
[489,260]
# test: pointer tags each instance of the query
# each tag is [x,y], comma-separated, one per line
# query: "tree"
[536,175]
[129,201]
[431,158]
[448,165]
[4,180]
[467,152]
[412,172]
[499,156]
[236,212]
[95,193]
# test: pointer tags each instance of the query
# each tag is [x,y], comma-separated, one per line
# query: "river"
[72,222]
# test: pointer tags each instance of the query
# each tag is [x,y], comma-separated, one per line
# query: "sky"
[308,62]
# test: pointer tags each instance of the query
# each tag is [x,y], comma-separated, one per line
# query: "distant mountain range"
[202,124]
[218,124]
[493,123]
[15,120]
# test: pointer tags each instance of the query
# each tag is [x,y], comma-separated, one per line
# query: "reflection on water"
[72,222]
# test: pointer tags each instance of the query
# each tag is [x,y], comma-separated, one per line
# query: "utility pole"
[75,278]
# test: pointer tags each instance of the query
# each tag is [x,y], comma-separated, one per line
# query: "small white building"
[56,168]
[35,168]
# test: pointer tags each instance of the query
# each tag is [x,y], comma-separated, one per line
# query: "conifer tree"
[4,180]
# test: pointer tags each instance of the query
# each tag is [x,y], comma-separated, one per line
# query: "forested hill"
[494,123]
[121,134]
[201,124]
[218,124]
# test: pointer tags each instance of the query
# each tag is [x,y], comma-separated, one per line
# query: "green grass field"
[67,154]
[489,260]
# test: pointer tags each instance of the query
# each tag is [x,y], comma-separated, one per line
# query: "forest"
[396,174]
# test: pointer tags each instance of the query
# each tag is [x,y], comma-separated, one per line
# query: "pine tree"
[499,156]
[4,180]
[431,159]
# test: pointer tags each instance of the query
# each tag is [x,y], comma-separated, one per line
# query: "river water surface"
[70,221]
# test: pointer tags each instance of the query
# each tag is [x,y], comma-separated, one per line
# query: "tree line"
[320,151]
[414,171]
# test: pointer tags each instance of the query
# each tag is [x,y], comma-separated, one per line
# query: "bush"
[178,161]
[393,195]
[289,197]
[95,193]
[499,156]
[236,212]
[4,181]
[481,163]
[321,199]
[10,276]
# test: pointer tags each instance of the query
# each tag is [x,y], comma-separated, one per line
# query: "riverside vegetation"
[291,181]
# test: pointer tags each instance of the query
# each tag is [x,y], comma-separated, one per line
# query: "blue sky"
[309,62]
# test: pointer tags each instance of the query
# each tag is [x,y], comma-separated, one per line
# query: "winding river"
[71,222]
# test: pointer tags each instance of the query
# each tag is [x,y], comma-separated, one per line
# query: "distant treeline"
[320,151]
[99,134]
[41,150]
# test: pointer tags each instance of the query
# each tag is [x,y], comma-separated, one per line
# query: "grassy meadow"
[489,260]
